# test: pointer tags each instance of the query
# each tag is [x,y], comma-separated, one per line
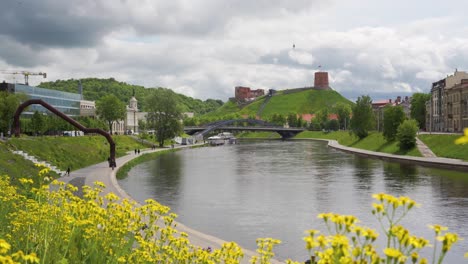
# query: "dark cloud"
[51,23]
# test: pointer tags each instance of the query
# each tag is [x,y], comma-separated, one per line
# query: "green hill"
[94,89]
[284,102]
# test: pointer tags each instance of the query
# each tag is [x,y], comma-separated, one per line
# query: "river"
[274,188]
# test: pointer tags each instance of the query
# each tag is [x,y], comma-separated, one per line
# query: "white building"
[132,117]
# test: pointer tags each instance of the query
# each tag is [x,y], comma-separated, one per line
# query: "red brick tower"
[321,81]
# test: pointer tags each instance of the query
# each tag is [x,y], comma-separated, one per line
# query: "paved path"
[425,161]
[425,150]
[101,172]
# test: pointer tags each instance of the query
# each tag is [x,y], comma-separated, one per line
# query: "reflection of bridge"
[226,125]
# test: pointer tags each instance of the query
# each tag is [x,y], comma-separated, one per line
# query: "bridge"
[226,125]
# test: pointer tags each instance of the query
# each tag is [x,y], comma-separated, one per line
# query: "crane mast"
[26,74]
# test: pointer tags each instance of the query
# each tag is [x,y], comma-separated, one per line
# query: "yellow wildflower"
[393,252]
[438,228]
[4,246]
[464,139]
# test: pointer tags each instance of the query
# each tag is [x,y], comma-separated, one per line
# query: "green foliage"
[268,135]
[163,115]
[363,117]
[418,108]
[444,146]
[277,119]
[393,117]
[111,109]
[95,89]
[8,104]
[343,111]
[406,134]
[322,117]
[292,120]
[332,125]
[37,123]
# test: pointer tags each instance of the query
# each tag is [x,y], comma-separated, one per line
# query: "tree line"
[94,89]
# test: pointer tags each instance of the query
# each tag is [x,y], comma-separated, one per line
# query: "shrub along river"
[277,188]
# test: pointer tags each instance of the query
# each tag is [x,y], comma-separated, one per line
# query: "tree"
[363,117]
[292,120]
[332,125]
[37,123]
[406,134]
[163,115]
[393,117]
[343,111]
[9,102]
[418,108]
[111,109]
[322,117]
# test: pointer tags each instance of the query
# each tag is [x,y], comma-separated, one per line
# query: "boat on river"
[222,139]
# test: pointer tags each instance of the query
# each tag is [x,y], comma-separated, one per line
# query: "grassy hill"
[284,102]
[94,89]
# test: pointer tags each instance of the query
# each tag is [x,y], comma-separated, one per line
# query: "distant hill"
[94,89]
[284,102]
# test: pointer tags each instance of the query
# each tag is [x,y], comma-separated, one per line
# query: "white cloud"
[301,57]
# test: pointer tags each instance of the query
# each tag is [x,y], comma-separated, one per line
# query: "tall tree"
[322,117]
[418,108]
[9,102]
[163,115]
[393,117]
[111,109]
[343,111]
[363,117]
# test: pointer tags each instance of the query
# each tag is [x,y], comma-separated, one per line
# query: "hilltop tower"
[321,81]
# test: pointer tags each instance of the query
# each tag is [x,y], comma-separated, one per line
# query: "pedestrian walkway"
[424,149]
[446,163]
[103,173]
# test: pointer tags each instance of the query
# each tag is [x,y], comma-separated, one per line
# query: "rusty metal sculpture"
[16,125]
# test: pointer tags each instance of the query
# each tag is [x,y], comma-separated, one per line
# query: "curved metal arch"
[20,109]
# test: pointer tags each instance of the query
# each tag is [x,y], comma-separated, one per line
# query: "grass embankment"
[268,135]
[374,142]
[444,146]
[228,108]
[123,171]
[15,165]
[76,152]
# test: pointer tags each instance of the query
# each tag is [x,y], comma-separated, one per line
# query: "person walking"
[68,171]
[138,151]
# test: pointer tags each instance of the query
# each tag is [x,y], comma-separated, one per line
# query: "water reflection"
[277,188]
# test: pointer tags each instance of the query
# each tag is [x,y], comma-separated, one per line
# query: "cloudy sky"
[204,48]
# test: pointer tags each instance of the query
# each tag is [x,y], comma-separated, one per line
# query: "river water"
[277,188]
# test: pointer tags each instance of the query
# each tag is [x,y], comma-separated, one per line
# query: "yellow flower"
[393,252]
[464,139]
[4,246]
[438,228]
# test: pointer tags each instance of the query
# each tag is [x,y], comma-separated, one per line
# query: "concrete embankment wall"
[443,163]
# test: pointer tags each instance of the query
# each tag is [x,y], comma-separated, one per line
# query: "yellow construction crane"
[25,74]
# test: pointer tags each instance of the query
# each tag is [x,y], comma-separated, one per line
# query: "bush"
[406,134]
[332,125]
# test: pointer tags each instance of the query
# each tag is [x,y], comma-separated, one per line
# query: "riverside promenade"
[103,173]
